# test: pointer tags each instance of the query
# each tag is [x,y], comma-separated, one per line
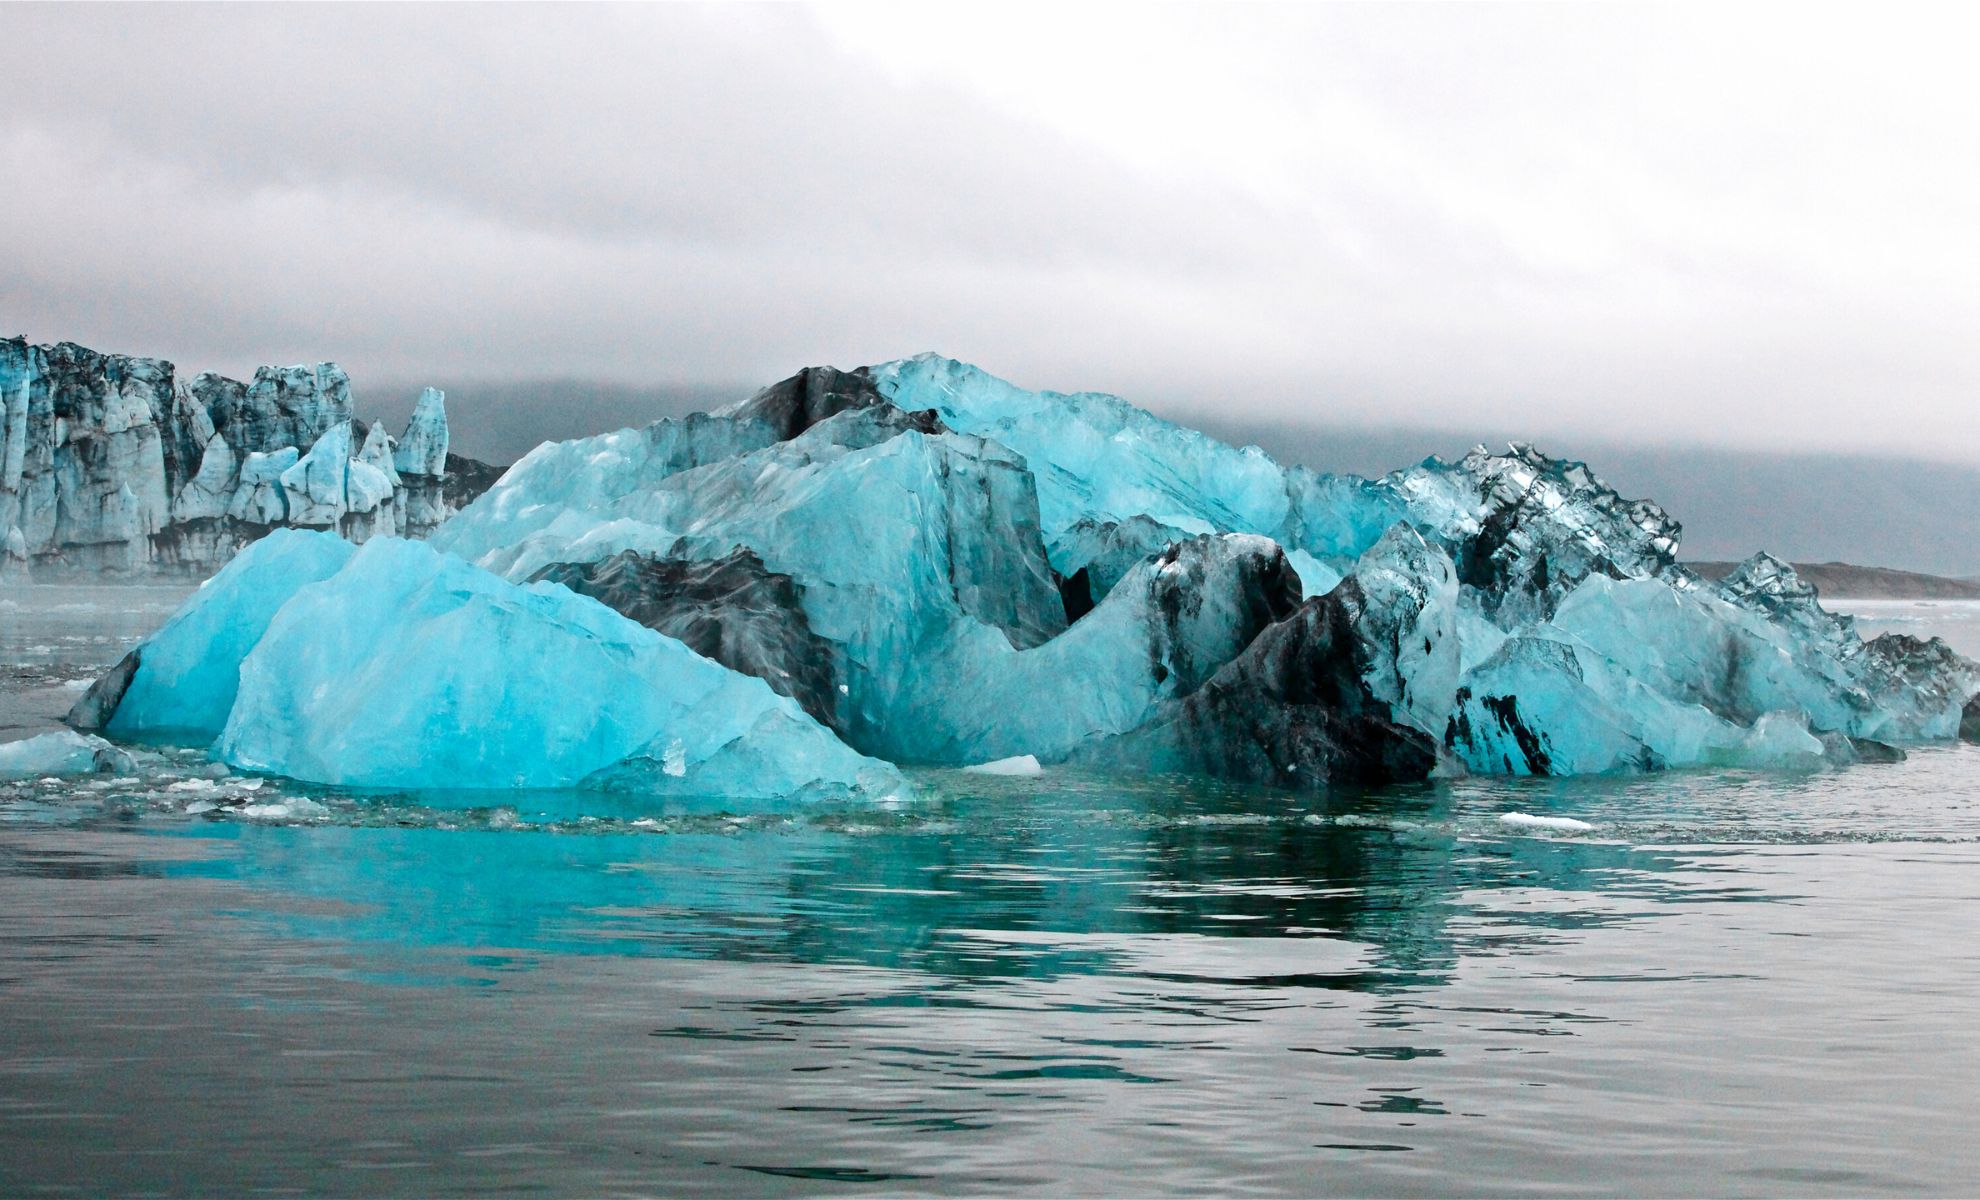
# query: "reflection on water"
[1734,984]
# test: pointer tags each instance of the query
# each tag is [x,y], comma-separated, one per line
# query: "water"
[1734,984]
[1957,621]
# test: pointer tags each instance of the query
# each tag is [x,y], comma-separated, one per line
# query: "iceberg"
[918,563]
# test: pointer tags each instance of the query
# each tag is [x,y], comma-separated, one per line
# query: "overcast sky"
[1748,226]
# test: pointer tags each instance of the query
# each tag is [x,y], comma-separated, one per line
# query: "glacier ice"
[294,660]
[520,687]
[898,534]
[60,753]
[377,453]
[1522,529]
[919,563]
[1168,626]
[1520,820]
[423,449]
[561,488]
[259,497]
[1540,706]
[329,482]
[731,609]
[209,493]
[182,681]
[1336,692]
[1097,458]
[1019,764]
[113,462]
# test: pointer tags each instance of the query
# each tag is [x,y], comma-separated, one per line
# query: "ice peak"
[423,450]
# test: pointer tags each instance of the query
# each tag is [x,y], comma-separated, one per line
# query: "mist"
[1741,227]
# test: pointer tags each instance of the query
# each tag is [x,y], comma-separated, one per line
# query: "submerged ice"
[919,563]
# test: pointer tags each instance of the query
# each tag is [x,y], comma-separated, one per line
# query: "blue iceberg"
[919,563]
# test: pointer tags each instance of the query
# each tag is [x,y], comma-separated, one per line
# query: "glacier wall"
[117,463]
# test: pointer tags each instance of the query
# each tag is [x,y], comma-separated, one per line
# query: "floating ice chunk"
[1520,820]
[53,754]
[291,809]
[1019,764]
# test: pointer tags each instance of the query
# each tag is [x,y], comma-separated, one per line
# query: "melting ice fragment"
[1520,820]
[1017,764]
[58,753]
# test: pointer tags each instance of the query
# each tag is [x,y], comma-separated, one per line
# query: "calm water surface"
[1735,984]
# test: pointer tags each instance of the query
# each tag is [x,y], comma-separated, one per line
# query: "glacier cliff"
[919,563]
[112,462]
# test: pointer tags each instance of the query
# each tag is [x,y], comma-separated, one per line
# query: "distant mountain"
[1845,581]
[501,422]
[1912,515]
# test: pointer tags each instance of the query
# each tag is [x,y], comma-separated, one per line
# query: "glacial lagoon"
[1734,983]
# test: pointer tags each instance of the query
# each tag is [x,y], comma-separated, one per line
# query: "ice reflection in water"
[1734,984]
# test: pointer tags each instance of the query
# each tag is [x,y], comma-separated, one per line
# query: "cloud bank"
[1748,226]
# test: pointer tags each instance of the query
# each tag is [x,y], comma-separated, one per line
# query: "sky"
[1743,226]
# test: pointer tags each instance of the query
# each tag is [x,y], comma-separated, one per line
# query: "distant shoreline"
[1846,581]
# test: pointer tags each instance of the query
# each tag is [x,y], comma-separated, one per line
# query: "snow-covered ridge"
[918,563]
[119,463]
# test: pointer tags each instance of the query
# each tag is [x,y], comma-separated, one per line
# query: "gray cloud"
[1652,224]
